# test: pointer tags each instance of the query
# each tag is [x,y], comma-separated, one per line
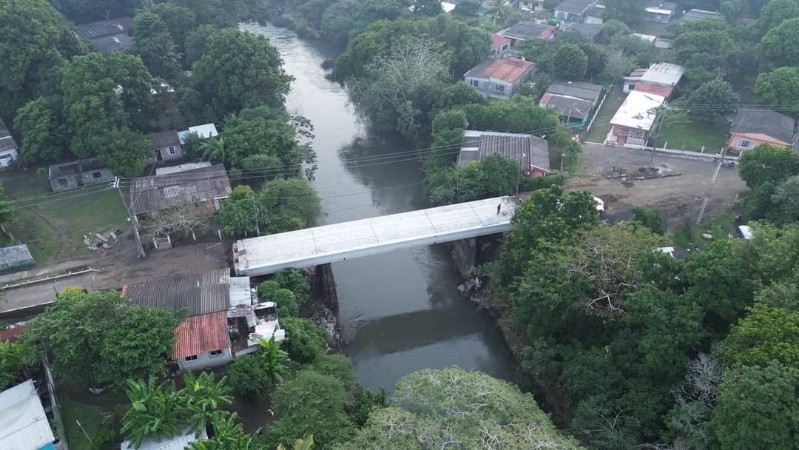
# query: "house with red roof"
[501,77]
[499,45]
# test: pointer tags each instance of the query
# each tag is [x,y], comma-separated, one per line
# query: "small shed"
[78,174]
[15,257]
[8,147]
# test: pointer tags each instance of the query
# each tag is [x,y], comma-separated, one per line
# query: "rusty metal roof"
[152,194]
[509,70]
[201,334]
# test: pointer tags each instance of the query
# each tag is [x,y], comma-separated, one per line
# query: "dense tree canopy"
[239,69]
[767,164]
[713,99]
[780,46]
[34,44]
[777,88]
[96,339]
[437,408]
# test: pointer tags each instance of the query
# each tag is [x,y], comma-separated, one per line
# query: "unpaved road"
[680,197]
[118,267]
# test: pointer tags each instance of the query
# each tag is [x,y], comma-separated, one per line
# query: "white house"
[204,131]
[634,120]
[8,147]
[23,422]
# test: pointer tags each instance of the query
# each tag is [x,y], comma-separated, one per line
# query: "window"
[63,182]
[630,87]
[190,358]
[636,134]
[475,83]
[172,151]
[97,175]
[500,87]
[743,143]
[216,352]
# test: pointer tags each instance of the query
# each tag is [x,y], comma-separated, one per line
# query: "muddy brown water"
[401,311]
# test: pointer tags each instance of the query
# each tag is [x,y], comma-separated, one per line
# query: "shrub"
[305,341]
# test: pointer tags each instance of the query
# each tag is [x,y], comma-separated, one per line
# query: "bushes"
[247,378]
[305,341]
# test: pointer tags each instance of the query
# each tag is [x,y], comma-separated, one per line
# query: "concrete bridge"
[338,242]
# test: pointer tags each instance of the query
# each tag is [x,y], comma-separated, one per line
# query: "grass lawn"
[680,132]
[601,125]
[689,235]
[84,214]
[89,410]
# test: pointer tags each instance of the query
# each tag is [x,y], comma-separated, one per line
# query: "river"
[401,311]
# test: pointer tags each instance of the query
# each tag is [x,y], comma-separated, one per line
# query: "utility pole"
[132,219]
[255,212]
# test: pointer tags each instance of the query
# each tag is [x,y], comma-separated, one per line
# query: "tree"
[136,345]
[155,45]
[780,46]
[96,339]
[228,434]
[305,341]
[757,407]
[430,408]
[766,163]
[630,12]
[295,281]
[766,334]
[238,70]
[42,127]
[713,99]
[467,8]
[386,96]
[570,62]
[272,134]
[248,379]
[215,149]
[310,404]
[155,409]
[15,363]
[785,201]
[122,150]
[81,11]
[7,207]
[180,21]
[426,8]
[502,175]
[774,13]
[651,218]
[291,204]
[162,409]
[777,87]
[339,20]
[300,444]
[34,43]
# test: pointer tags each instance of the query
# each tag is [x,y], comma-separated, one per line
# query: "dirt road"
[680,195]
[118,268]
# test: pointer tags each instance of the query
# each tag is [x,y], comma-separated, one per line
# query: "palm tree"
[204,397]
[274,359]
[215,149]
[498,9]
[300,444]
[228,435]
[155,409]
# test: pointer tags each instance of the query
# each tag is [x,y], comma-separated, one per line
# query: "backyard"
[53,225]
[601,125]
[681,132]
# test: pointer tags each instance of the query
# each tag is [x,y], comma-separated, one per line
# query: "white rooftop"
[638,111]
[23,423]
[331,243]
[203,131]
[181,168]
[240,293]
[645,37]
[179,442]
[664,73]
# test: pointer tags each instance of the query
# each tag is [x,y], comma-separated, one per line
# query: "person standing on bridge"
[499,208]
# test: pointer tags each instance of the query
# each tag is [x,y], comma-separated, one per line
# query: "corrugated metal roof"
[152,194]
[509,70]
[201,334]
[528,30]
[200,293]
[23,423]
[576,89]
[15,256]
[164,138]
[527,149]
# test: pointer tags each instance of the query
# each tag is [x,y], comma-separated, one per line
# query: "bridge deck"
[341,241]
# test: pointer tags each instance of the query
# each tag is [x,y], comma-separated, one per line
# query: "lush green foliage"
[472,410]
[570,62]
[238,70]
[780,46]
[305,341]
[15,363]
[281,205]
[777,87]
[713,99]
[164,409]
[764,335]
[650,218]
[767,164]
[97,339]
[254,376]
[757,407]
[311,404]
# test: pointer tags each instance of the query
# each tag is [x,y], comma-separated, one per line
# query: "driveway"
[680,195]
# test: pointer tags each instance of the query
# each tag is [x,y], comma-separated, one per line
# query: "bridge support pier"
[325,286]
[464,254]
